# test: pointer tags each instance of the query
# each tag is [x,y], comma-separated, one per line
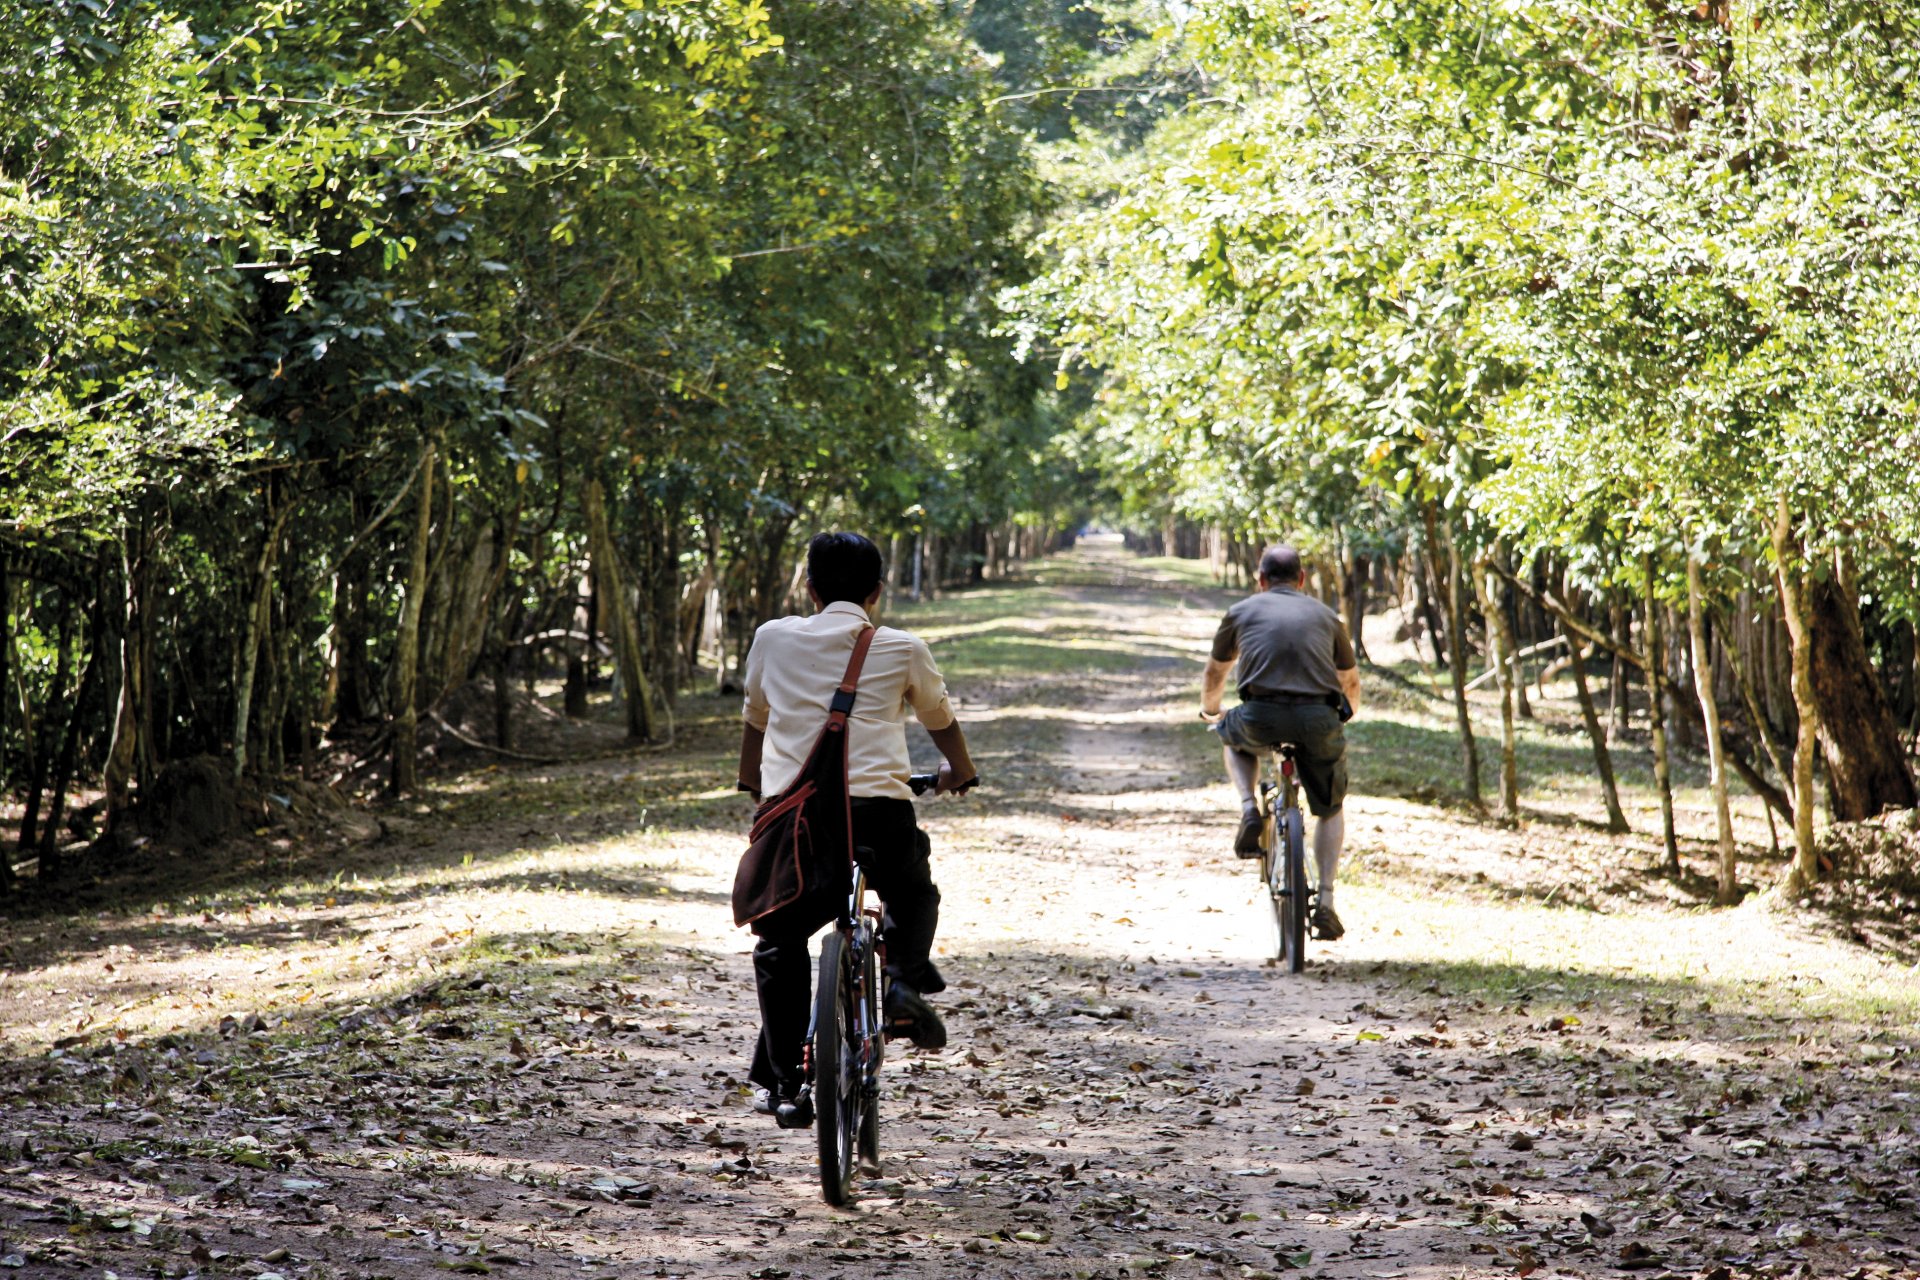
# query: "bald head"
[1280,565]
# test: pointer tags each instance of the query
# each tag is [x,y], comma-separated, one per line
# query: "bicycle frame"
[859,926]
[1290,774]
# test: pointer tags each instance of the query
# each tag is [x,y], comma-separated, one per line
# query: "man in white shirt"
[793,668]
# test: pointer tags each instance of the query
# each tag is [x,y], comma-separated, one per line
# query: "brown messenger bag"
[798,867]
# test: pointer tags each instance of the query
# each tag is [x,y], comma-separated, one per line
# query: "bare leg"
[1329,833]
[1243,770]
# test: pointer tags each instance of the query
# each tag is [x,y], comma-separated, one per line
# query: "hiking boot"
[913,1018]
[1326,925]
[795,1112]
[1246,842]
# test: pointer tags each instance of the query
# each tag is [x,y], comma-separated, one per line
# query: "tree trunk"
[6,699]
[1456,608]
[1590,717]
[149,757]
[502,692]
[1620,692]
[664,580]
[50,863]
[1679,671]
[43,760]
[1866,761]
[1656,711]
[117,778]
[590,625]
[1426,589]
[280,689]
[574,689]
[1750,697]
[1509,636]
[356,702]
[1905,701]
[1354,593]
[258,625]
[896,547]
[1775,676]
[1500,641]
[406,666]
[610,589]
[1793,599]
[6,690]
[1728,891]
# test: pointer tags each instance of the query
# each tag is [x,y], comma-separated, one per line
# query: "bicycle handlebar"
[925,782]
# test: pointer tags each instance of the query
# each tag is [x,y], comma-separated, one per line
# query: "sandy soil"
[508,1037]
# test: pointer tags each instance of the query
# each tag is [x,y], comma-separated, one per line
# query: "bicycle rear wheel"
[1290,900]
[836,1076]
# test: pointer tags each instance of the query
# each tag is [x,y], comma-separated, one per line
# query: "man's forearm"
[953,745]
[1213,684]
[751,742]
[1350,685]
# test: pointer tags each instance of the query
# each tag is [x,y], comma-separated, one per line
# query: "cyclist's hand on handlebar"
[946,784]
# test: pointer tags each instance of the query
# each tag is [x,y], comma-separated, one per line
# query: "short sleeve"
[1343,659]
[1226,641]
[926,687]
[755,709]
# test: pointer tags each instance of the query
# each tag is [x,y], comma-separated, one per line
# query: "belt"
[1293,699]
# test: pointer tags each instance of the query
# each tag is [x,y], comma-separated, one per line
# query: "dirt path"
[509,1038]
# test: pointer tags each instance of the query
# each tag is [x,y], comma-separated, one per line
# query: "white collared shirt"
[794,667]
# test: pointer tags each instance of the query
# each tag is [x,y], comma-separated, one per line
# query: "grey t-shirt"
[1287,642]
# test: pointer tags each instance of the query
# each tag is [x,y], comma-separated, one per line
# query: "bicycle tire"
[836,1092]
[874,1051]
[1293,913]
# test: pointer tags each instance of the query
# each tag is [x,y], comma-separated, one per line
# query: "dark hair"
[1280,564]
[843,566]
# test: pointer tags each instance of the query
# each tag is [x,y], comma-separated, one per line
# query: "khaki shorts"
[1313,728]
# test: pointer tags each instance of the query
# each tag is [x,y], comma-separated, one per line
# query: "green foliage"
[740,263]
[1599,280]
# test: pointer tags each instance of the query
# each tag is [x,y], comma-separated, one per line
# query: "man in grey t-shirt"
[1296,665]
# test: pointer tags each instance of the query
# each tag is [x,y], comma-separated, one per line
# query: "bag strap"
[842,705]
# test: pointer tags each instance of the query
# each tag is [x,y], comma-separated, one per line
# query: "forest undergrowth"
[502,1028]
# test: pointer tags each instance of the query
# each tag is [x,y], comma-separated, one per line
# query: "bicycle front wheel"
[873,1045]
[836,1075]
[1290,901]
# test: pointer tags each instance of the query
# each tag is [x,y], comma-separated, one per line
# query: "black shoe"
[913,1018]
[1326,925]
[1246,843]
[795,1112]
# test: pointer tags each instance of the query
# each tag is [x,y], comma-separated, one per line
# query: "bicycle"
[846,1039]
[1283,860]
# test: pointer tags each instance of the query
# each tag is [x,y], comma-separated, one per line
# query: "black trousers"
[893,850]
